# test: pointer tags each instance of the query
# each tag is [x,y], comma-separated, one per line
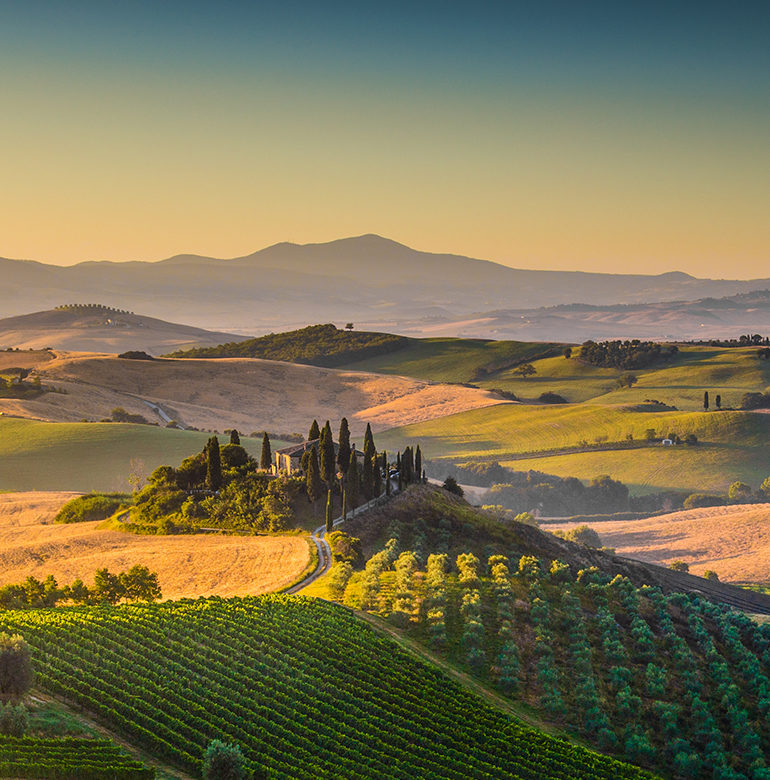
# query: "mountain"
[363,279]
[101,329]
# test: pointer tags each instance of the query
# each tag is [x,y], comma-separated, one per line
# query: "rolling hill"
[733,541]
[247,394]
[366,279]
[95,328]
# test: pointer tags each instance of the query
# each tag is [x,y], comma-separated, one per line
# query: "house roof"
[297,450]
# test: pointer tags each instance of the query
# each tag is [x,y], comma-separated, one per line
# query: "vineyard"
[68,759]
[305,688]
[673,683]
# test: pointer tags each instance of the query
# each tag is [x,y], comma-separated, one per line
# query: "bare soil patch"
[187,566]
[733,541]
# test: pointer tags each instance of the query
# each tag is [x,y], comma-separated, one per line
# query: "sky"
[595,136]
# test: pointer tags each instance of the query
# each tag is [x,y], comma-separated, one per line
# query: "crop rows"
[304,688]
[68,759]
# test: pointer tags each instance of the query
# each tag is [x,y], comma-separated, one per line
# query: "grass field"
[91,456]
[451,359]
[733,444]
[187,566]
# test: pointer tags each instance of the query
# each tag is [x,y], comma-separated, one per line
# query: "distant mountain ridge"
[367,279]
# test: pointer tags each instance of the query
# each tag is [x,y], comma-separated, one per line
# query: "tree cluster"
[633,354]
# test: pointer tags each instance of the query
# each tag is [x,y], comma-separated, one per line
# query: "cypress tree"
[706,400]
[376,476]
[400,472]
[343,453]
[368,438]
[213,465]
[315,431]
[313,484]
[386,472]
[353,483]
[326,455]
[329,517]
[417,464]
[367,477]
[718,401]
[344,501]
[267,456]
[235,437]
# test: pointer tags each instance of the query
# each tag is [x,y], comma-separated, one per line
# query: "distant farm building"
[289,459]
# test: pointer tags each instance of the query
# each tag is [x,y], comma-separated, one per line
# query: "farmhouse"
[289,459]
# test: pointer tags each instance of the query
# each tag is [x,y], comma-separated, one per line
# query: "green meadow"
[91,456]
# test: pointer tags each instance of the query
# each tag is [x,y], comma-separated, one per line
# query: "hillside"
[247,394]
[187,566]
[91,456]
[305,688]
[659,675]
[733,541]
[97,328]
[368,279]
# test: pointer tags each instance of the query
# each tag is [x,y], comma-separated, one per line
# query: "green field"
[306,689]
[91,456]
[451,359]
[733,445]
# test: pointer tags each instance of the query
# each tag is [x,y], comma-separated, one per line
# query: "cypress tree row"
[213,465]
[343,452]
[315,431]
[266,459]
[235,437]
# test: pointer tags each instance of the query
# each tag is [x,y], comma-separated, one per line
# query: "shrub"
[552,398]
[16,673]
[710,574]
[679,566]
[223,762]
[696,500]
[96,506]
[450,484]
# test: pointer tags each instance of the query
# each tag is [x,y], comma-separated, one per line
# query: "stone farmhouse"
[289,459]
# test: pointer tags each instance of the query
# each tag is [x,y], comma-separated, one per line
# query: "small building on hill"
[289,459]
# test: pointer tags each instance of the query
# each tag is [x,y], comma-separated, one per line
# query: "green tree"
[679,566]
[266,459]
[718,402]
[313,483]
[223,762]
[450,484]
[353,484]
[343,450]
[315,432]
[107,587]
[706,400]
[739,493]
[407,465]
[235,437]
[213,465]
[368,438]
[417,464]
[16,673]
[567,352]
[140,584]
[524,370]
[326,457]
[329,511]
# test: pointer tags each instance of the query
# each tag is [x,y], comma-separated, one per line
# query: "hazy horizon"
[605,137]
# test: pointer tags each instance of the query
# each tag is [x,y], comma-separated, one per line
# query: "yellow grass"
[733,541]
[246,394]
[187,566]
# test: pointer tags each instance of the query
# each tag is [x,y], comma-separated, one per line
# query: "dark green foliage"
[551,398]
[353,484]
[14,720]
[266,458]
[84,509]
[233,456]
[213,465]
[223,762]
[755,401]
[345,547]
[450,484]
[235,437]
[418,464]
[326,457]
[16,675]
[343,451]
[119,414]
[625,354]
[695,500]
[313,482]
[316,345]
[706,400]
[315,431]
[135,355]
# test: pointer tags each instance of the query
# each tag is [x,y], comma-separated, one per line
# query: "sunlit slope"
[453,359]
[680,382]
[732,444]
[90,456]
